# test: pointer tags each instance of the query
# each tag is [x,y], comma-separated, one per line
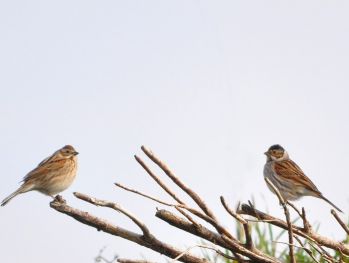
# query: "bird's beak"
[76,153]
[267,153]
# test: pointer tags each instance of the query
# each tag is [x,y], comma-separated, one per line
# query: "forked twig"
[102,225]
[116,207]
[208,216]
[248,237]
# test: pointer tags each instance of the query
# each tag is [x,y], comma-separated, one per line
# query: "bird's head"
[68,151]
[276,153]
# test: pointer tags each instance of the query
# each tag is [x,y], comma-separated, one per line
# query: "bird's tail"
[328,201]
[24,188]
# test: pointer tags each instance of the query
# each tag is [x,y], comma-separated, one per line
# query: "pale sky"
[207,85]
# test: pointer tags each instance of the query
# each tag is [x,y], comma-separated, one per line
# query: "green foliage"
[274,242]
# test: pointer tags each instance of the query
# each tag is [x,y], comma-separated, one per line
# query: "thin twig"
[231,212]
[306,224]
[207,215]
[116,207]
[248,237]
[324,254]
[178,182]
[310,235]
[295,208]
[100,257]
[342,224]
[182,205]
[203,246]
[215,238]
[157,180]
[287,215]
[187,216]
[144,195]
[307,250]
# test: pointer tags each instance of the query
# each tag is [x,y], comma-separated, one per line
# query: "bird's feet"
[59,199]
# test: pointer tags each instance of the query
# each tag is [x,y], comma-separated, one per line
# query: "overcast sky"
[207,85]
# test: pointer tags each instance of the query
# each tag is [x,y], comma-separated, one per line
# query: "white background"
[207,85]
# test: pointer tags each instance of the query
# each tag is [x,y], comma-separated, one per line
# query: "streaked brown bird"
[52,176]
[288,178]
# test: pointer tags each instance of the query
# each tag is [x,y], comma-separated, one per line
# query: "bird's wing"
[289,170]
[48,159]
[49,164]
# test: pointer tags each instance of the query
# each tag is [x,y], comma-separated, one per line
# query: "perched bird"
[52,176]
[288,178]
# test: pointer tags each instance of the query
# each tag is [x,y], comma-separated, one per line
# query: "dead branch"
[340,222]
[207,247]
[179,205]
[118,208]
[220,238]
[144,195]
[310,234]
[248,237]
[157,180]
[178,182]
[207,216]
[213,237]
[107,227]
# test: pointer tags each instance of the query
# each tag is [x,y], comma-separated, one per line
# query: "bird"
[52,176]
[288,177]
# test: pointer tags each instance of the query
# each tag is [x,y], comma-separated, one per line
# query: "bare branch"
[181,205]
[342,224]
[188,217]
[248,237]
[220,237]
[102,225]
[207,247]
[306,225]
[231,212]
[311,235]
[208,216]
[144,195]
[116,207]
[287,215]
[178,182]
[307,250]
[157,180]
[220,240]
[294,208]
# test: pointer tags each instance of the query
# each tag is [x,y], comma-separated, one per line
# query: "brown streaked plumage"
[288,177]
[52,176]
